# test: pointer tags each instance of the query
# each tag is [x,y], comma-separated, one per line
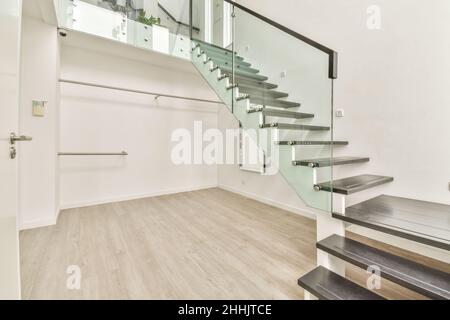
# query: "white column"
[208,21]
[327,226]
[227,25]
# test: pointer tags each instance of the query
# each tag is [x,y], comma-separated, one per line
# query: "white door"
[10,20]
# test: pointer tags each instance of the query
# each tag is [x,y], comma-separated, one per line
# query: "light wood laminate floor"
[209,244]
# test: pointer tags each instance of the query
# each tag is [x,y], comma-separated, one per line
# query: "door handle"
[13,138]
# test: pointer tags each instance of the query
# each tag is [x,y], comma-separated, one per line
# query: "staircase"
[259,105]
[294,128]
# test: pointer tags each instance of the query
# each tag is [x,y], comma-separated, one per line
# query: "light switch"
[340,113]
[39,108]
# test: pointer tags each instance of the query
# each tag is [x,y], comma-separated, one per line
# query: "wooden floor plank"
[207,244]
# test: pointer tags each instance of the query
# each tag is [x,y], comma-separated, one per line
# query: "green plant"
[148,21]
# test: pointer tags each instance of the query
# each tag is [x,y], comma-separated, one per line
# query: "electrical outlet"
[283,74]
[340,113]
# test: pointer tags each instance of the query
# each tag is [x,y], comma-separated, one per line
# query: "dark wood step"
[213,48]
[268,102]
[429,282]
[253,82]
[243,74]
[327,285]
[210,46]
[288,126]
[268,112]
[327,162]
[353,184]
[420,221]
[224,61]
[239,81]
[311,143]
[259,91]
[237,68]
[220,55]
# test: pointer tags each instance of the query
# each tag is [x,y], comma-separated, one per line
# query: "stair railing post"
[233,81]
[190,20]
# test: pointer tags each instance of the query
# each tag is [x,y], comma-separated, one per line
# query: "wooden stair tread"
[354,184]
[327,162]
[420,221]
[327,285]
[429,282]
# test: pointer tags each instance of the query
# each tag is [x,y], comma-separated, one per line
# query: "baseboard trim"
[300,211]
[90,203]
[52,221]
[39,223]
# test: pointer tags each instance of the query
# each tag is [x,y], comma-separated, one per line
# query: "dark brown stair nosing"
[327,285]
[327,162]
[270,102]
[354,184]
[209,47]
[420,221]
[409,274]
[217,60]
[289,126]
[204,44]
[243,74]
[215,50]
[220,65]
[256,83]
[253,82]
[216,54]
[311,143]
[259,91]
[269,112]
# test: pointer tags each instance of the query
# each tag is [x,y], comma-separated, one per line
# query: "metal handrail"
[332,55]
[174,19]
[123,153]
[156,95]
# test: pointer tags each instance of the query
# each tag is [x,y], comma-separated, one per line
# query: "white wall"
[394,90]
[98,120]
[272,189]
[392,84]
[37,176]
[179,9]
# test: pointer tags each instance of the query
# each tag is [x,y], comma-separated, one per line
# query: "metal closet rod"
[123,153]
[157,95]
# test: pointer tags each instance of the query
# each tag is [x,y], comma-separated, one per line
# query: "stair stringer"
[301,179]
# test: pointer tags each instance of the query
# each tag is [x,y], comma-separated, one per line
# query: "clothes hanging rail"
[123,153]
[157,95]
